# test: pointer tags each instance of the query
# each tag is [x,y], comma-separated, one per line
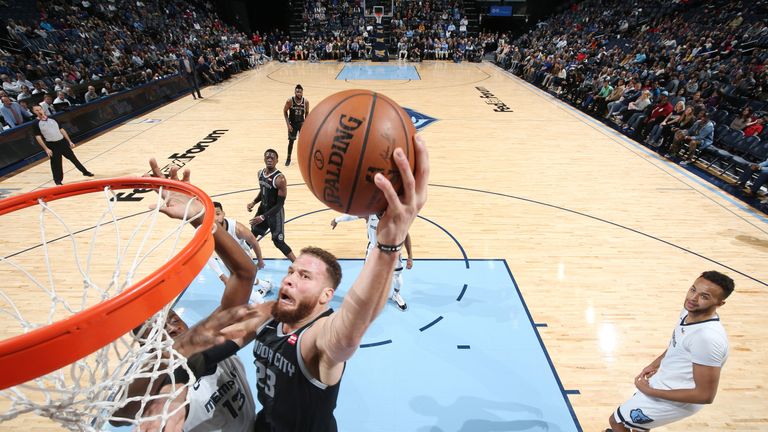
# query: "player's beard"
[302,310]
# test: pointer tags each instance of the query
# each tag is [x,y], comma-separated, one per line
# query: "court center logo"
[420,121]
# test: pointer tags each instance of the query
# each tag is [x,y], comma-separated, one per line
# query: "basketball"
[348,138]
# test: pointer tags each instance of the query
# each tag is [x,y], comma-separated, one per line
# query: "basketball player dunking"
[301,345]
[295,111]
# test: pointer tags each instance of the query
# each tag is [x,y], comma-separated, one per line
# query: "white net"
[76,261]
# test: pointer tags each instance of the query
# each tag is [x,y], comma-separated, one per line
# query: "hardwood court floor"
[602,237]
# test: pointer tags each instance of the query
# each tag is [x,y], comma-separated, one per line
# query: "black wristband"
[390,248]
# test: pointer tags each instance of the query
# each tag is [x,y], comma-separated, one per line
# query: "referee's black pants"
[61,148]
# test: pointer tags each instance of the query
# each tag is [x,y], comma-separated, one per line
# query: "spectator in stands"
[21,80]
[107,89]
[402,49]
[205,71]
[118,84]
[61,99]
[615,95]
[25,93]
[599,97]
[754,127]
[40,87]
[662,131]
[73,99]
[10,88]
[740,122]
[761,179]
[13,114]
[637,107]
[631,94]
[91,94]
[698,137]
[658,113]
[47,105]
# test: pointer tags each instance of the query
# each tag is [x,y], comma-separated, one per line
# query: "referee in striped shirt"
[56,143]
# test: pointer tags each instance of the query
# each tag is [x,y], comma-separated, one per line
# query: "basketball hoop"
[378,13]
[95,338]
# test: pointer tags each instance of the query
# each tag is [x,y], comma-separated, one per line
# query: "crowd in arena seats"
[79,51]
[419,30]
[686,78]
[115,45]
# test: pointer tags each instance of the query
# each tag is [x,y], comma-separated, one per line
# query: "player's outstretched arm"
[343,218]
[244,233]
[176,205]
[336,338]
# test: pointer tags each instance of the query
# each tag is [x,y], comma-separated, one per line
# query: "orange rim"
[49,348]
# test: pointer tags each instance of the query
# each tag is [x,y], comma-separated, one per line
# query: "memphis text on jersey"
[491,99]
[345,132]
[229,393]
[176,160]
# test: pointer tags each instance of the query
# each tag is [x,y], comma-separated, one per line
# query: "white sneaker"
[398,299]
[265,287]
[255,298]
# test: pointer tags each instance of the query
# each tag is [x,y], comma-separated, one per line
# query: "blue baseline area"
[465,356]
[377,73]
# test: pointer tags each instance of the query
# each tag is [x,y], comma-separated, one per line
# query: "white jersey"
[222,402]
[704,343]
[213,261]
[373,224]
[232,230]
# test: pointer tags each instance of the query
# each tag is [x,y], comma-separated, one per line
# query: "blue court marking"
[541,324]
[378,73]
[435,321]
[544,349]
[463,290]
[375,344]
[432,381]
[572,392]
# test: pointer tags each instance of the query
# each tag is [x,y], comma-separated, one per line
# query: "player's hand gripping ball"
[348,138]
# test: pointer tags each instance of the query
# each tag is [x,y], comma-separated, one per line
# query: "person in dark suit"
[187,70]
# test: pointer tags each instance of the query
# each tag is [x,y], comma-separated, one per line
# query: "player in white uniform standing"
[685,377]
[247,241]
[397,279]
